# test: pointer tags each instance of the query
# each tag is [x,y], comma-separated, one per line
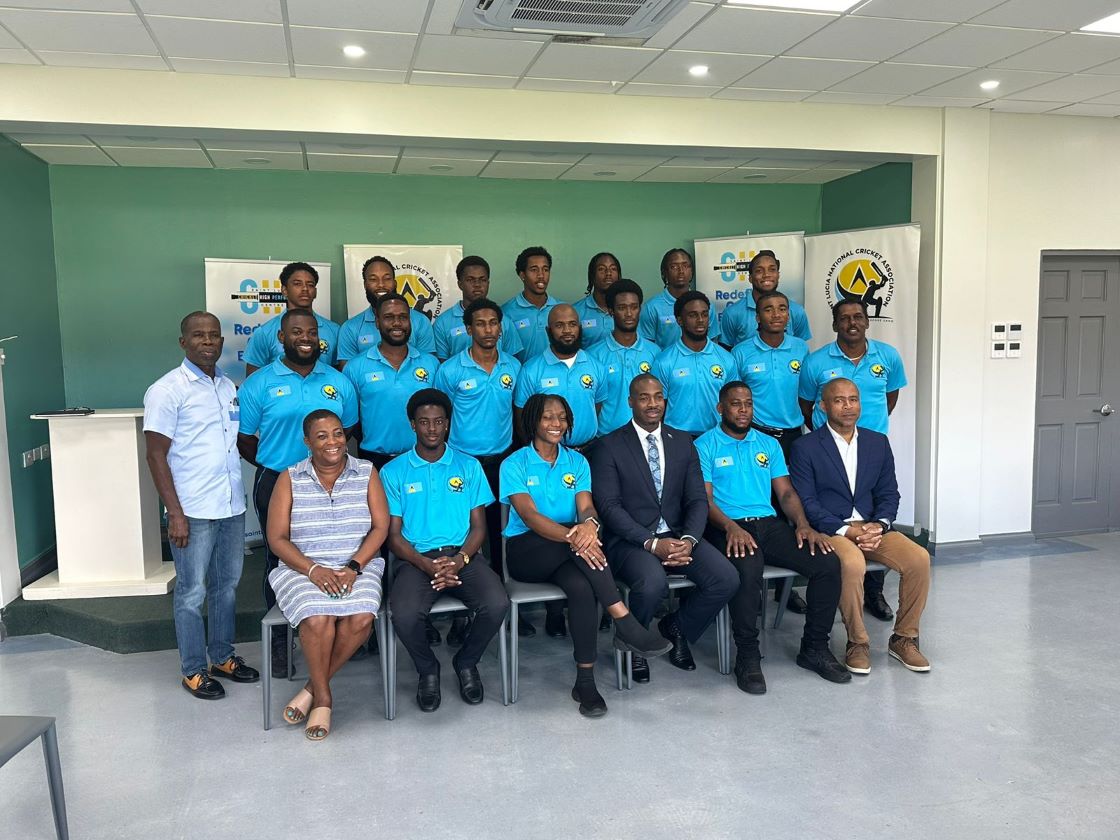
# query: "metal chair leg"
[513,653]
[383,655]
[503,659]
[54,780]
[266,672]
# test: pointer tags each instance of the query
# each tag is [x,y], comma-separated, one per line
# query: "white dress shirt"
[849,454]
[643,440]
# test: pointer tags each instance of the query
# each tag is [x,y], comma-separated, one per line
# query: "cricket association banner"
[878,266]
[425,275]
[721,269]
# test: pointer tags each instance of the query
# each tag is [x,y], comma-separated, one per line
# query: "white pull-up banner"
[425,275]
[721,265]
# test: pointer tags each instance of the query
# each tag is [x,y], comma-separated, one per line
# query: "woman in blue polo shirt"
[553,537]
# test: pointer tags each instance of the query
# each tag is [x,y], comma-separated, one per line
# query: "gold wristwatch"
[466,558]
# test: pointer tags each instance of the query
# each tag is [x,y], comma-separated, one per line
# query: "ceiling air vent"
[633,18]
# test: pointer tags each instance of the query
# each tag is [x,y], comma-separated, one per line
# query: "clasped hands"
[672,552]
[335,583]
[866,535]
[444,571]
[585,543]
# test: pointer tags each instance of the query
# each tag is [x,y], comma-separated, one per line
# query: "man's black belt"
[775,432]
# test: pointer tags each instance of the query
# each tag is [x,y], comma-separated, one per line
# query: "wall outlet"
[28,458]
[43,452]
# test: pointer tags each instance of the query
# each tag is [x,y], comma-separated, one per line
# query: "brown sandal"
[298,707]
[318,723]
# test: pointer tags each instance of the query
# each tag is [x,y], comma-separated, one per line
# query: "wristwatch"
[690,538]
[466,558]
[598,525]
[354,567]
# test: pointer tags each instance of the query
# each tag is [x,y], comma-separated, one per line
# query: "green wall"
[33,372]
[129,242]
[874,197]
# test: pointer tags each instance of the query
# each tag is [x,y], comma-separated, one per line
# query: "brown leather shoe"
[857,658]
[905,650]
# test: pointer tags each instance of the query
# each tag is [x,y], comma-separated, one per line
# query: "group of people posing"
[631,440]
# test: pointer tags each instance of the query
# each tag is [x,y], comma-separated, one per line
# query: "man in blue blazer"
[845,478]
[648,489]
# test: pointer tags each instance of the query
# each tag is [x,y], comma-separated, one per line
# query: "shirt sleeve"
[511,477]
[423,338]
[161,411]
[778,468]
[440,381]
[332,339]
[524,387]
[800,325]
[647,323]
[897,377]
[349,403]
[482,495]
[347,341]
[601,391]
[583,474]
[729,325]
[248,398]
[511,341]
[257,350]
[441,330]
[392,487]
[807,381]
[704,453]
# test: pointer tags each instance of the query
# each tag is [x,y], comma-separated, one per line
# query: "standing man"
[594,314]
[472,275]
[437,497]
[274,401]
[693,368]
[649,491]
[742,468]
[379,277]
[659,317]
[622,354]
[529,309]
[384,378]
[845,477]
[300,282]
[876,369]
[739,321]
[190,428]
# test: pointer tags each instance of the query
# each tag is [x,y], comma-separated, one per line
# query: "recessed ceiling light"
[698,70]
[754,176]
[1108,24]
[606,173]
[441,167]
[353,51]
[803,5]
[257,160]
[991,84]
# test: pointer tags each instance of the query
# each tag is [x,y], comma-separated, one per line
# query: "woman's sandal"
[318,723]
[298,707]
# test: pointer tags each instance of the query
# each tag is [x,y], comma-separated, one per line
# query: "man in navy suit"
[845,478]
[649,492]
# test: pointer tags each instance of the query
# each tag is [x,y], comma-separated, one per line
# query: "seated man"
[845,478]
[741,467]
[647,487]
[437,524]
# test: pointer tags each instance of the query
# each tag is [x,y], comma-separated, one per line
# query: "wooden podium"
[106,509]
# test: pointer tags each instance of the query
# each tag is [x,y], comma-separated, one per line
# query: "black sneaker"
[821,660]
[235,669]
[748,674]
[204,687]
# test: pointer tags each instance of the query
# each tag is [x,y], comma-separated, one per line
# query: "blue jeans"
[208,568]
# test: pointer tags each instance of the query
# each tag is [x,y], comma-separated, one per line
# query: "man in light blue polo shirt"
[384,377]
[359,334]
[694,368]
[623,354]
[659,320]
[739,320]
[529,309]
[473,278]
[594,317]
[300,282]
[190,428]
[437,526]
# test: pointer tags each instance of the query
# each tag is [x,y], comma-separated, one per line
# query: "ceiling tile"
[1070,89]
[568,85]
[351,74]
[867,38]
[735,30]
[228,40]
[523,169]
[52,139]
[763,94]
[351,163]
[723,68]
[1014,106]
[679,24]
[143,142]
[79,31]
[891,77]
[458,54]
[439,166]
[323,48]
[1048,14]
[7,42]
[354,148]
[1108,99]
[263,11]
[1010,81]
[583,61]
[447,153]
[1066,54]
[71,155]
[954,11]
[610,161]
[680,174]
[262,160]
[228,68]
[1111,68]
[227,145]
[567,158]
[842,98]
[1088,109]
[747,175]
[599,172]
[133,156]
[713,161]
[802,73]
[939,102]
[974,46]
[17,56]
[379,15]
[422,77]
[694,91]
[787,163]
[109,60]
[818,176]
[75,5]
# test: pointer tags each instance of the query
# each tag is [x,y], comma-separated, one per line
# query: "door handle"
[1104,410]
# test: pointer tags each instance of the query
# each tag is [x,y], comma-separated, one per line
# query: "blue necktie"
[654,459]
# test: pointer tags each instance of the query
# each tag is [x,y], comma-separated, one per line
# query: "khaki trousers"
[895,551]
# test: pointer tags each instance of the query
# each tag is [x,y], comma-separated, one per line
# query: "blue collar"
[415,460]
[195,372]
[551,359]
[762,345]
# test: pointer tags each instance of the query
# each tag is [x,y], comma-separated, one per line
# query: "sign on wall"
[425,275]
[721,265]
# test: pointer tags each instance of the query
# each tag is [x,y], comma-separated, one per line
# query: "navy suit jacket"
[625,497]
[821,481]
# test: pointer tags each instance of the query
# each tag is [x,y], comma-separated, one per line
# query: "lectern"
[106,509]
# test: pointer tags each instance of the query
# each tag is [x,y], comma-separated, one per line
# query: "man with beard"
[273,403]
[472,275]
[693,368]
[529,309]
[742,468]
[300,282]
[622,354]
[594,316]
[379,277]
[739,320]
[659,319]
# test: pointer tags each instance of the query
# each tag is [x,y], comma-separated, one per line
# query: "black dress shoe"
[639,669]
[877,605]
[795,603]
[680,656]
[460,626]
[470,686]
[427,693]
[203,687]
[431,633]
[555,625]
[524,628]
[748,674]
[235,669]
[821,660]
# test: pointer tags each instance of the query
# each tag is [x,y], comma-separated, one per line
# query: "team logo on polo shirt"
[455,483]
[330,392]
[506,381]
[794,366]
[645,367]
[861,275]
[587,380]
[281,391]
[878,371]
[569,481]
[421,374]
[762,459]
[323,346]
[717,371]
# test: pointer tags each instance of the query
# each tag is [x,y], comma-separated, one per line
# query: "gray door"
[1077,439]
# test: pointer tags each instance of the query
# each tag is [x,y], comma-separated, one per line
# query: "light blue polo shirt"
[739,321]
[482,403]
[692,381]
[596,323]
[383,393]
[879,372]
[451,334]
[619,366]
[264,347]
[773,374]
[582,385]
[552,487]
[658,323]
[740,471]
[529,323]
[435,500]
[360,333]
[200,416]
[274,401]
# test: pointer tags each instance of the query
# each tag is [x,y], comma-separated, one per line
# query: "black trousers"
[777,545]
[534,559]
[411,599]
[263,485]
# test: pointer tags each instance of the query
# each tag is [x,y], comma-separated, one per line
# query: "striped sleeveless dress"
[328,528]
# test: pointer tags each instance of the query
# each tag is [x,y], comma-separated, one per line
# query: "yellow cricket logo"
[587,380]
[570,481]
[507,381]
[323,346]
[455,483]
[878,371]
[421,374]
[717,371]
[795,366]
[762,459]
[330,392]
[645,367]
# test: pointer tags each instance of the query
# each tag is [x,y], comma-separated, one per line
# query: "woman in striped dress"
[326,522]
